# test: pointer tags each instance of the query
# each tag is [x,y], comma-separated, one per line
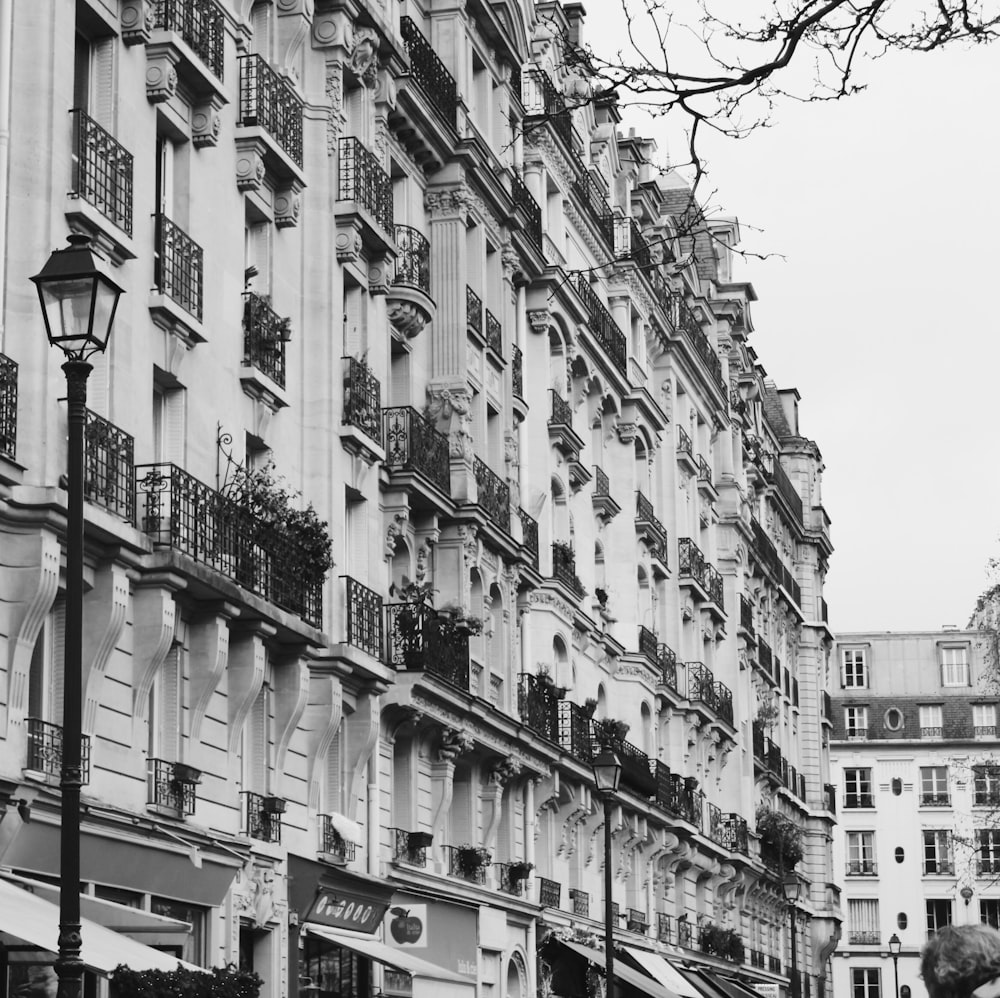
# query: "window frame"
[932,908]
[931,711]
[948,652]
[852,728]
[862,983]
[984,720]
[854,666]
[934,790]
[862,793]
[937,852]
[860,850]
[986,785]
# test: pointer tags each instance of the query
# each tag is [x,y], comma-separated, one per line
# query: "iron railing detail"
[715,586]
[529,533]
[866,938]
[102,170]
[630,244]
[177,510]
[45,749]
[602,484]
[606,331]
[735,833]
[691,327]
[363,181]
[581,902]
[494,333]
[364,617]
[333,843]
[574,731]
[542,100]
[861,868]
[201,24]
[413,444]
[765,656]
[421,640]
[636,921]
[524,200]
[549,893]
[473,311]
[648,645]
[683,442]
[517,372]
[468,863]
[538,706]
[178,266]
[264,335]
[666,660]
[596,207]
[268,101]
[704,471]
[664,927]
[561,413]
[685,935]
[786,490]
[109,466]
[167,788]
[8,407]
[646,518]
[493,494]
[413,259]
[430,72]
[564,567]
[746,615]
[263,816]
[409,847]
[362,399]
[692,562]
[637,770]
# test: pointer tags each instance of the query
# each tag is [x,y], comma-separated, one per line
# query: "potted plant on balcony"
[589,707]
[273,805]
[471,859]
[780,839]
[418,840]
[183,773]
[520,870]
[609,732]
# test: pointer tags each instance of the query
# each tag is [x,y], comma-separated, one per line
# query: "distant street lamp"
[607,774]
[78,298]
[792,887]
[895,945]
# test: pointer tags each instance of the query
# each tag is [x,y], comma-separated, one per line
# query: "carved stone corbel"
[250,168]
[161,73]
[154,615]
[291,693]
[104,612]
[287,204]
[364,725]
[320,721]
[208,645]
[246,668]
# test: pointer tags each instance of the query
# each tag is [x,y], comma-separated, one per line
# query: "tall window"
[989,912]
[861,853]
[930,721]
[937,851]
[986,780]
[955,666]
[984,720]
[938,914]
[934,786]
[854,670]
[865,982]
[45,672]
[856,722]
[989,849]
[858,788]
[862,922]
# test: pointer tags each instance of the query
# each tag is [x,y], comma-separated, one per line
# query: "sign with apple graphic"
[443,933]
[406,925]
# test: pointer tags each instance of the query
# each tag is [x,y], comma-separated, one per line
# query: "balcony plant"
[718,941]
[609,732]
[419,840]
[471,859]
[589,707]
[520,871]
[183,773]
[780,838]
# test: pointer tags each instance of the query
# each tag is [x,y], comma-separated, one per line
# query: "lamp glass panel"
[67,304]
[607,772]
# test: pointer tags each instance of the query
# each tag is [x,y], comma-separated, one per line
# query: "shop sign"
[767,990]
[342,909]
[445,934]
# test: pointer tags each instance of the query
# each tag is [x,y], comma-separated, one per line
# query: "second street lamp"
[607,774]
[792,887]
[78,298]
[895,945]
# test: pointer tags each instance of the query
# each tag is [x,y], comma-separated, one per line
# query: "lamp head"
[607,772]
[895,944]
[792,887]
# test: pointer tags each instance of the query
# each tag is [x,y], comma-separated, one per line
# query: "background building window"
[865,982]
[854,671]
[989,911]
[937,851]
[938,914]
[934,786]
[856,722]
[984,720]
[858,788]
[955,666]
[861,853]
[862,922]
[989,850]
[986,780]
[930,721]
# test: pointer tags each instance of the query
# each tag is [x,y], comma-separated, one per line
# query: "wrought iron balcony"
[549,893]
[172,785]
[524,200]
[8,407]
[178,266]
[602,485]
[939,868]
[109,466]
[517,372]
[772,756]
[685,934]
[493,495]
[510,877]
[692,563]
[827,706]
[648,524]
[561,413]
[574,731]
[664,927]
[201,23]
[648,645]
[636,921]
[630,244]
[865,938]
[595,206]
[410,847]
[765,656]
[422,640]
[581,902]
[988,867]
[262,815]
[364,617]
[362,399]
[564,568]
[774,964]
[637,770]
[430,72]
[264,336]
[935,800]
[988,731]
[758,741]
[45,749]
[494,333]
[543,101]
[677,795]
[723,702]
[413,444]
[473,311]
[685,320]
[684,442]
[176,510]
[102,171]
[704,471]
[700,683]
[268,101]
[746,615]
[332,843]
[716,587]
[363,181]
[529,534]
[468,862]
[861,868]
[603,327]
[934,732]
[735,833]
[413,259]
[786,490]
[538,706]
[666,660]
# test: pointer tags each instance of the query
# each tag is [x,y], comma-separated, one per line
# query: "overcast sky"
[883,313]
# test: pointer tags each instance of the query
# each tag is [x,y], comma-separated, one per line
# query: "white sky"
[886,207]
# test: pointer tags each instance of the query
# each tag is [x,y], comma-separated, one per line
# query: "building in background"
[914,760]
[375,262]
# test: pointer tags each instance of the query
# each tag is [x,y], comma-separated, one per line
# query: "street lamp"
[78,298]
[607,774]
[792,887]
[895,945]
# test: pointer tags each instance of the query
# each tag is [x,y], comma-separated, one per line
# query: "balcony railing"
[630,243]
[774,964]
[746,614]
[931,732]
[410,847]
[494,334]
[602,485]
[332,843]
[264,335]
[430,72]
[473,311]
[8,407]
[420,640]
[517,372]
[861,868]
[716,586]
[852,801]
[677,795]
[493,494]
[939,868]
[683,442]
[178,266]
[602,325]
[664,928]
[362,399]
[596,207]
[637,772]
[700,683]
[45,749]
[201,24]
[581,902]
[468,863]
[692,562]
[541,99]
[363,181]
[685,934]
[109,472]
[691,328]
[935,800]
[413,444]
[413,259]
[529,533]
[704,471]
[364,617]
[524,200]
[102,171]
[636,921]
[171,786]
[263,816]
[574,731]
[549,893]
[538,706]
[867,938]
[988,867]
[648,645]
[564,568]
[268,101]
[561,412]
[176,510]
[984,731]
[827,706]
[765,656]
[666,661]
[786,490]
[511,877]
[735,833]
[648,520]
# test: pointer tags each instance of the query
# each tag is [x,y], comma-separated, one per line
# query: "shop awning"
[714,985]
[623,972]
[28,919]
[389,955]
[664,971]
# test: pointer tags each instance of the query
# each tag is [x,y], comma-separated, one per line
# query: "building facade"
[914,761]
[377,264]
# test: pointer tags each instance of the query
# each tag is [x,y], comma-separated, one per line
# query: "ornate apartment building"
[914,758]
[376,261]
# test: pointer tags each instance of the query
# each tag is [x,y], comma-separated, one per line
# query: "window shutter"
[173,426]
[260,21]
[334,762]
[357,541]
[103,91]
[257,744]
[399,380]
[169,714]
[55,660]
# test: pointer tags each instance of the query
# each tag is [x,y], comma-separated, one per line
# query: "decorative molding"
[104,614]
[361,742]
[154,616]
[208,643]
[320,721]
[247,664]
[291,693]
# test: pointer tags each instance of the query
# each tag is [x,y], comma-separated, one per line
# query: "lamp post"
[607,774]
[792,887]
[895,945]
[78,298]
